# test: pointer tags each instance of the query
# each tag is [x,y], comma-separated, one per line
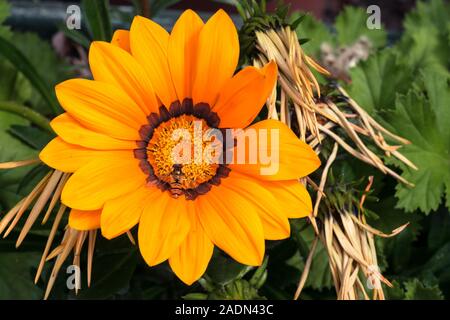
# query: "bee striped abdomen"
[176,189]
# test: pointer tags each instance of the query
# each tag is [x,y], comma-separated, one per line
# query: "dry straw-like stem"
[47,193]
[346,236]
[316,120]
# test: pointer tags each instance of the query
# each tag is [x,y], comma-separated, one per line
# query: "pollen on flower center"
[163,154]
[172,150]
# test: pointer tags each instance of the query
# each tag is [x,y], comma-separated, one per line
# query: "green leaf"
[4,10]
[415,290]
[396,252]
[76,36]
[396,292]
[27,113]
[319,276]
[377,81]
[48,65]
[195,296]
[13,85]
[111,273]
[10,52]
[439,263]
[430,18]
[98,20]
[351,24]
[11,149]
[439,224]
[419,48]
[16,278]
[425,123]
[316,31]
[34,137]
[223,270]
[5,31]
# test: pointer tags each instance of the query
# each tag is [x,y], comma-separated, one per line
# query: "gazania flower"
[116,139]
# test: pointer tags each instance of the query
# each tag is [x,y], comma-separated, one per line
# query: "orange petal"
[218,54]
[273,218]
[278,153]
[292,196]
[84,220]
[243,96]
[103,179]
[163,226]
[101,107]
[121,38]
[73,132]
[190,260]
[123,213]
[66,157]
[182,52]
[270,71]
[232,223]
[113,65]
[149,44]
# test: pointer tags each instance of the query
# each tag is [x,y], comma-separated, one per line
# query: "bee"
[176,183]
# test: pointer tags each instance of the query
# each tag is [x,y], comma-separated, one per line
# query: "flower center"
[172,150]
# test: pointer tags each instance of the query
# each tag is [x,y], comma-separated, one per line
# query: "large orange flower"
[115,139]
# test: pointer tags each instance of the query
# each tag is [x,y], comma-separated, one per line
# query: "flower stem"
[27,113]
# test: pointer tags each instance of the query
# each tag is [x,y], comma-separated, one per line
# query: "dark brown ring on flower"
[177,109]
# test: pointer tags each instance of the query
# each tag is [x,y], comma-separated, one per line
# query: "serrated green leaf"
[425,123]
[433,16]
[351,24]
[377,81]
[395,292]
[416,290]
[419,48]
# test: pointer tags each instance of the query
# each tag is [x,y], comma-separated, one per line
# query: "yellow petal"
[273,218]
[113,65]
[121,38]
[218,54]
[66,157]
[101,180]
[101,107]
[292,196]
[73,132]
[123,213]
[84,220]
[280,154]
[182,52]
[149,44]
[232,223]
[243,96]
[191,258]
[163,226]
